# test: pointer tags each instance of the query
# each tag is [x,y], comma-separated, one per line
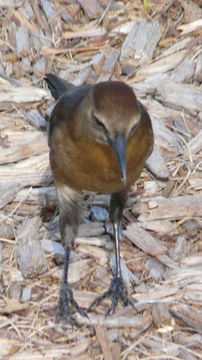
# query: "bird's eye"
[99,124]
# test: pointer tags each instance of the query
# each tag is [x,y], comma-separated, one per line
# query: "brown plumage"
[100,137]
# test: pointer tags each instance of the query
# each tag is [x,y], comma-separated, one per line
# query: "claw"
[117,291]
[63,308]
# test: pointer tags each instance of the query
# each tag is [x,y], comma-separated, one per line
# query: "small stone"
[99,214]
[50,246]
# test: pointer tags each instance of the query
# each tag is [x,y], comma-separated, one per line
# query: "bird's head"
[113,114]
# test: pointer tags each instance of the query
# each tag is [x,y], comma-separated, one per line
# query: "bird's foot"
[66,304]
[117,291]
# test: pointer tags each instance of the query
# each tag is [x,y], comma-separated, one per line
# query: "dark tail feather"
[56,85]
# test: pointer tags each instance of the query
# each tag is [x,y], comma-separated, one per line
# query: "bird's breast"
[85,164]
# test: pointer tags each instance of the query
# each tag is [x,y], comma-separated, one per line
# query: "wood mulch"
[158,51]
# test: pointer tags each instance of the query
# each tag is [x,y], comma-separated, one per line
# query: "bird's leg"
[69,220]
[117,290]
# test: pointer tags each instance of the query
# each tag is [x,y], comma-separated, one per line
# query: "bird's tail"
[57,86]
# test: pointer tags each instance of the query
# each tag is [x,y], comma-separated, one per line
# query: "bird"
[99,137]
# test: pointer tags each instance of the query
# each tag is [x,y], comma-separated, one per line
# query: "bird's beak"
[119,147]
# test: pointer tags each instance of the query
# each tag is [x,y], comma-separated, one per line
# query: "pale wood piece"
[155,269]
[22,40]
[91,8]
[82,76]
[138,322]
[30,172]
[94,32]
[192,26]
[198,71]
[156,164]
[178,46]
[155,344]
[77,271]
[36,119]
[20,94]
[41,196]
[195,144]
[141,42]
[8,192]
[161,315]
[175,208]
[92,229]
[30,256]
[87,234]
[101,255]
[159,68]
[53,247]
[144,240]
[103,241]
[22,145]
[101,334]
[184,71]
[111,57]
[97,62]
[148,244]
[159,226]
[190,315]
[188,97]
[33,171]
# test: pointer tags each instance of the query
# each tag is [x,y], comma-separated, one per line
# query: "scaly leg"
[117,290]
[69,221]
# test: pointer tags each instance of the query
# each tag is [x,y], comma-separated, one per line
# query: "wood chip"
[91,8]
[8,192]
[175,208]
[180,96]
[33,171]
[138,322]
[141,42]
[195,144]
[10,93]
[77,271]
[23,145]
[30,256]
[85,33]
[111,58]
[184,71]
[144,240]
[192,26]
[156,164]
[8,306]
[22,40]
[161,315]
[101,334]
[97,62]
[101,255]
[190,315]
[36,119]
[198,71]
